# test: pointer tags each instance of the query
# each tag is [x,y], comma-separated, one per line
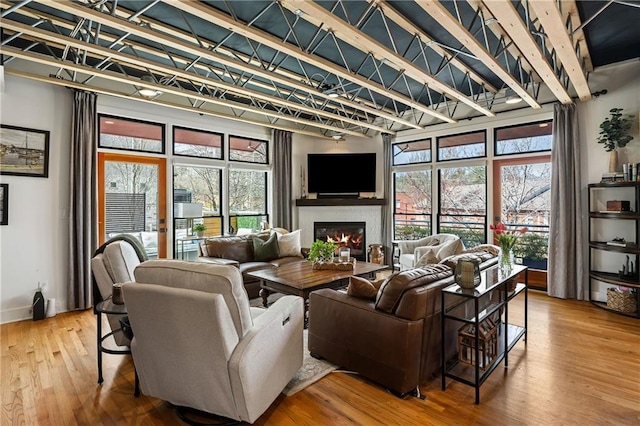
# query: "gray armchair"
[428,250]
[198,344]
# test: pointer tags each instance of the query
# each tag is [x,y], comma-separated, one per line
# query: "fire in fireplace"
[345,234]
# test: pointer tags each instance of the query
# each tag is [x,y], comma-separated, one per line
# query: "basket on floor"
[622,302]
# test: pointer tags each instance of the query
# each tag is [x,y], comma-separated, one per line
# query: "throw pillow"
[264,251]
[490,248]
[289,244]
[427,258]
[362,288]
[450,248]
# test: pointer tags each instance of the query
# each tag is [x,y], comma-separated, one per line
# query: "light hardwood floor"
[580,366]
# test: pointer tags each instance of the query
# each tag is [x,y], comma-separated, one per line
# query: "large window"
[248,150]
[462,207]
[247,199]
[412,212]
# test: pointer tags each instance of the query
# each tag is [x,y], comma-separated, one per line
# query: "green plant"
[322,250]
[613,130]
[199,227]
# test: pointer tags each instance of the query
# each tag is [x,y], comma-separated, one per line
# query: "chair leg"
[194,417]
[136,387]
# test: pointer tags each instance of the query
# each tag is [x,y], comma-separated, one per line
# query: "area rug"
[311,371]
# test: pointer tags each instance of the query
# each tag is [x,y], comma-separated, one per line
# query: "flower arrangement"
[507,239]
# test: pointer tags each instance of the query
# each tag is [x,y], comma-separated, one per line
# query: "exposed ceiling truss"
[341,67]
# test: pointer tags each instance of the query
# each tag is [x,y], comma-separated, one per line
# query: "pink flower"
[506,239]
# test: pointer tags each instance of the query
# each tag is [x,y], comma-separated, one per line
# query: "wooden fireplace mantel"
[308,202]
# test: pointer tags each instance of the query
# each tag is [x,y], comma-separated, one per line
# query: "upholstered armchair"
[198,344]
[114,262]
[428,250]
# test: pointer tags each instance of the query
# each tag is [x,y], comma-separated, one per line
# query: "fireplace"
[345,234]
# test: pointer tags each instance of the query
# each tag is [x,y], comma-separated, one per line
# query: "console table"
[473,307]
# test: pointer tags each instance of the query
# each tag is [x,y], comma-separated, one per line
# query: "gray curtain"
[82,203]
[565,277]
[387,209]
[282,179]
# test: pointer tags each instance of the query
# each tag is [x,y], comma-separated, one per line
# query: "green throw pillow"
[264,251]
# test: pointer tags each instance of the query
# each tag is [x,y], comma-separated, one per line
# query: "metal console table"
[474,306]
[108,307]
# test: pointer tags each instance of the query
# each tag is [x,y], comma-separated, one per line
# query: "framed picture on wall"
[4,204]
[24,152]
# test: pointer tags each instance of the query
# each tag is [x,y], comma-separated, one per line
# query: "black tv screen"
[341,174]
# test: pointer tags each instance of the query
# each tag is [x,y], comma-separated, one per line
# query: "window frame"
[173,142]
[438,138]
[527,153]
[265,142]
[163,142]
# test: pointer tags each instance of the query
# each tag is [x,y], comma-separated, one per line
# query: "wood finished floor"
[580,366]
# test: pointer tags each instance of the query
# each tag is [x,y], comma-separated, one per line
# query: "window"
[131,135]
[412,212]
[532,137]
[248,150]
[197,143]
[412,152]
[463,203]
[466,145]
[200,186]
[247,199]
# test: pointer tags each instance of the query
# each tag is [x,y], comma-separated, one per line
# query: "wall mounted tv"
[341,175]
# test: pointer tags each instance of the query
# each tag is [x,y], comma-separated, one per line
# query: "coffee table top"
[301,275]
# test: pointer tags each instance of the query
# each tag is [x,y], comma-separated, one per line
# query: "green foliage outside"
[411,232]
[251,222]
[532,246]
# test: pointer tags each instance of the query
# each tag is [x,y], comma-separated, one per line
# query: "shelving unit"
[599,193]
[474,306]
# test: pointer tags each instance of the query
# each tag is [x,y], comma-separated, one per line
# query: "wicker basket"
[622,302]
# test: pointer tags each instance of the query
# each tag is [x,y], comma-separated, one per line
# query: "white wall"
[33,246]
[622,82]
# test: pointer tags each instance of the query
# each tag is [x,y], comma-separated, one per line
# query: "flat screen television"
[341,174]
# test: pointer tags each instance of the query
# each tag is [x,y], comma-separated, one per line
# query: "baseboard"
[21,314]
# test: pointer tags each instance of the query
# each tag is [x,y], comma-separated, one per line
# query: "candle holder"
[344,254]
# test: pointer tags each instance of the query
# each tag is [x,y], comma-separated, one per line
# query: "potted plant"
[613,135]
[322,251]
[199,229]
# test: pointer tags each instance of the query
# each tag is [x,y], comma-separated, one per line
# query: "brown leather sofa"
[394,340]
[238,251]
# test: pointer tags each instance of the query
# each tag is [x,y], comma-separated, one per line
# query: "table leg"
[264,293]
[99,351]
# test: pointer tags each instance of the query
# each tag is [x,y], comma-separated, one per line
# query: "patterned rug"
[311,371]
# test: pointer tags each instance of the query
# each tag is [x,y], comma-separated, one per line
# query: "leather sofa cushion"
[239,248]
[397,284]
[362,288]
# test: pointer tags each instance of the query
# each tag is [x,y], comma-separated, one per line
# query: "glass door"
[132,200]
[522,190]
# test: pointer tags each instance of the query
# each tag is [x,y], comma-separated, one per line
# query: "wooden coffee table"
[300,279]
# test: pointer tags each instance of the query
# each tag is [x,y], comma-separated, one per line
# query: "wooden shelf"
[621,184]
[630,248]
[308,202]
[613,215]
[611,278]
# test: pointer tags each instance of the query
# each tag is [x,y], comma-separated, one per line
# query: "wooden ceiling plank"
[553,24]
[131,27]
[455,28]
[225,21]
[509,19]
[130,59]
[511,48]
[413,29]
[113,76]
[570,12]
[321,17]
[102,91]
[357,105]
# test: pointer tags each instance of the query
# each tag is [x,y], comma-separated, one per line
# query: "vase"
[613,161]
[505,261]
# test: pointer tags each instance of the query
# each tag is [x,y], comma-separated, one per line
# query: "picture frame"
[23,151]
[4,203]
